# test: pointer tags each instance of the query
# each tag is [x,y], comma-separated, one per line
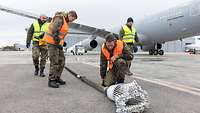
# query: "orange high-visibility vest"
[48,37]
[117,51]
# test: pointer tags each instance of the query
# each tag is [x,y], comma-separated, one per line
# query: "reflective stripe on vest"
[49,38]
[129,36]
[37,30]
[117,51]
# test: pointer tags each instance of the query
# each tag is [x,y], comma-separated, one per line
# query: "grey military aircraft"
[176,23]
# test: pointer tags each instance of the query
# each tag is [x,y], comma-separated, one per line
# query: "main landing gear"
[157,51]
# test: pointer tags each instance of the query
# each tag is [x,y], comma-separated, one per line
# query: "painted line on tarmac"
[179,87]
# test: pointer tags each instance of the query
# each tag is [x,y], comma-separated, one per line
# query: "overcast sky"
[103,14]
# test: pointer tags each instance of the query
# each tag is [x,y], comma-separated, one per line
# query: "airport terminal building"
[178,45]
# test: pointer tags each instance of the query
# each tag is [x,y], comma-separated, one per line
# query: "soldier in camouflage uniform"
[57,30]
[39,47]
[113,61]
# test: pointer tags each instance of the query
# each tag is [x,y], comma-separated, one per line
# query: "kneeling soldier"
[113,61]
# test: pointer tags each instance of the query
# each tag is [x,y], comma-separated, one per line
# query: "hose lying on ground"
[128,98]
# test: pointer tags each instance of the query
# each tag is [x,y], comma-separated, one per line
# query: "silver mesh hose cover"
[130,98]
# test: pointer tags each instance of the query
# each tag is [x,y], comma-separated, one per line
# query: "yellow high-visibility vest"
[39,31]
[129,35]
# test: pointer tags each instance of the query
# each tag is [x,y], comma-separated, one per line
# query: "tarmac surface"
[172,82]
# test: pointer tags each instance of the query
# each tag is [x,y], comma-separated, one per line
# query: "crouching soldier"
[113,61]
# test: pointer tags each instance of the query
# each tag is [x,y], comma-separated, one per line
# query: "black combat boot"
[36,70]
[53,84]
[120,81]
[129,73]
[60,81]
[42,72]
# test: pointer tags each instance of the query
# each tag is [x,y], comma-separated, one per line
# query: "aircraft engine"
[88,44]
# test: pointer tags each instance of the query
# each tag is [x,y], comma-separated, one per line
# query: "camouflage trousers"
[57,62]
[131,48]
[117,74]
[39,53]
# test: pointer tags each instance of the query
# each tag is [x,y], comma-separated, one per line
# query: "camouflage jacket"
[126,55]
[57,23]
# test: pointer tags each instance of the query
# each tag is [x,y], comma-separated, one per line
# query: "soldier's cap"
[110,38]
[73,13]
[43,16]
[130,19]
[116,36]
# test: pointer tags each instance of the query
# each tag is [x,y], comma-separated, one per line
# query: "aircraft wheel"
[151,52]
[161,52]
[155,52]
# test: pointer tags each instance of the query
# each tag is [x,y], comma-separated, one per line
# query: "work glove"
[41,36]
[65,44]
[27,45]
[57,40]
[49,19]
[59,47]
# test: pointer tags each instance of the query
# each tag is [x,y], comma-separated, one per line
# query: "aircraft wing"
[91,30]
[84,28]
[18,12]
[89,43]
